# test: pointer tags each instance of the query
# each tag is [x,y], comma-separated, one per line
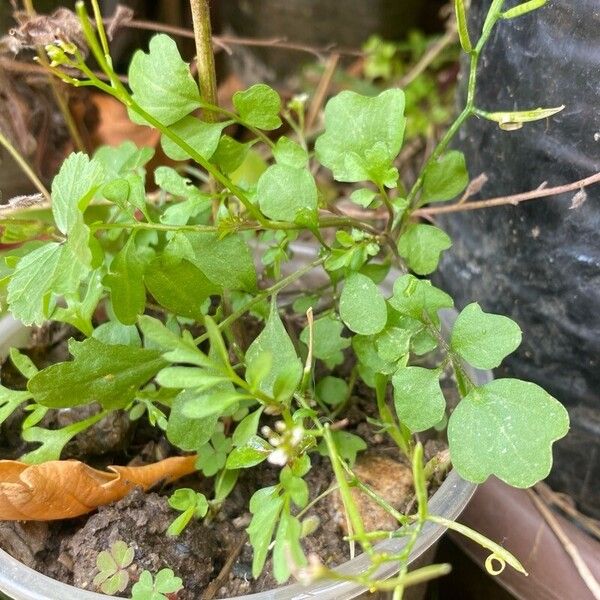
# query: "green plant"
[113,577]
[160,587]
[187,257]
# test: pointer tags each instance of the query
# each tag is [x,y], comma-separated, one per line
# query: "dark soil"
[213,558]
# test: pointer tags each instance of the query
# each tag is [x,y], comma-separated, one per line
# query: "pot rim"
[23,583]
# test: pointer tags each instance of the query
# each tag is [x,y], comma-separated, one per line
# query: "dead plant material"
[34,31]
[63,489]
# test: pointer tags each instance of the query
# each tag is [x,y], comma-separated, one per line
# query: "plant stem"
[205,59]
[5,142]
[494,14]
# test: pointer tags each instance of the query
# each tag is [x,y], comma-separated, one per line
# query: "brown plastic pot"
[509,516]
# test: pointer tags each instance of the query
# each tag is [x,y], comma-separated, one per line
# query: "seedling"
[113,576]
[161,587]
[192,504]
[190,257]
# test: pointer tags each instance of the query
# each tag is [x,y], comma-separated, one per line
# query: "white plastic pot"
[22,583]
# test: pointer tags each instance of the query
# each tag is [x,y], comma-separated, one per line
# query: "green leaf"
[445,178]
[169,180]
[227,262]
[149,588]
[247,427]
[332,390]
[189,377]
[103,373]
[23,363]
[484,339]
[362,306]
[418,397]
[328,342]
[181,288]
[274,340]
[39,276]
[214,402]
[421,246]
[115,333]
[265,506]
[354,125]
[72,188]
[287,550]
[284,191]
[161,82]
[230,154]
[10,400]
[419,299]
[347,444]
[184,432]
[363,197]
[202,137]
[253,453]
[117,161]
[54,440]
[506,428]
[126,283]
[175,348]
[259,106]
[288,152]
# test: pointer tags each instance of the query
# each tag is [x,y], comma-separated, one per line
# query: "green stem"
[350,507]
[399,434]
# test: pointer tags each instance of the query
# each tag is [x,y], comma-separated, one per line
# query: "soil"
[213,558]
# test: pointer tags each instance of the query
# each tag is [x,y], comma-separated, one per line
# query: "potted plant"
[261,371]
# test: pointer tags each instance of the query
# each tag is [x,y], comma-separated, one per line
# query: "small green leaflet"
[332,390]
[161,82]
[175,348]
[126,283]
[348,445]
[421,246]
[275,341]
[484,339]
[255,451]
[259,106]
[287,549]
[328,343]
[115,333]
[418,397]
[284,192]
[122,159]
[156,588]
[445,178]
[103,373]
[184,432]
[246,428]
[506,428]
[265,506]
[54,440]
[202,137]
[362,306]
[288,152]
[418,298]
[169,180]
[72,189]
[354,126]
[10,400]
[181,287]
[230,154]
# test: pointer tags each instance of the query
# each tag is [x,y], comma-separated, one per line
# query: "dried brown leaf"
[62,489]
